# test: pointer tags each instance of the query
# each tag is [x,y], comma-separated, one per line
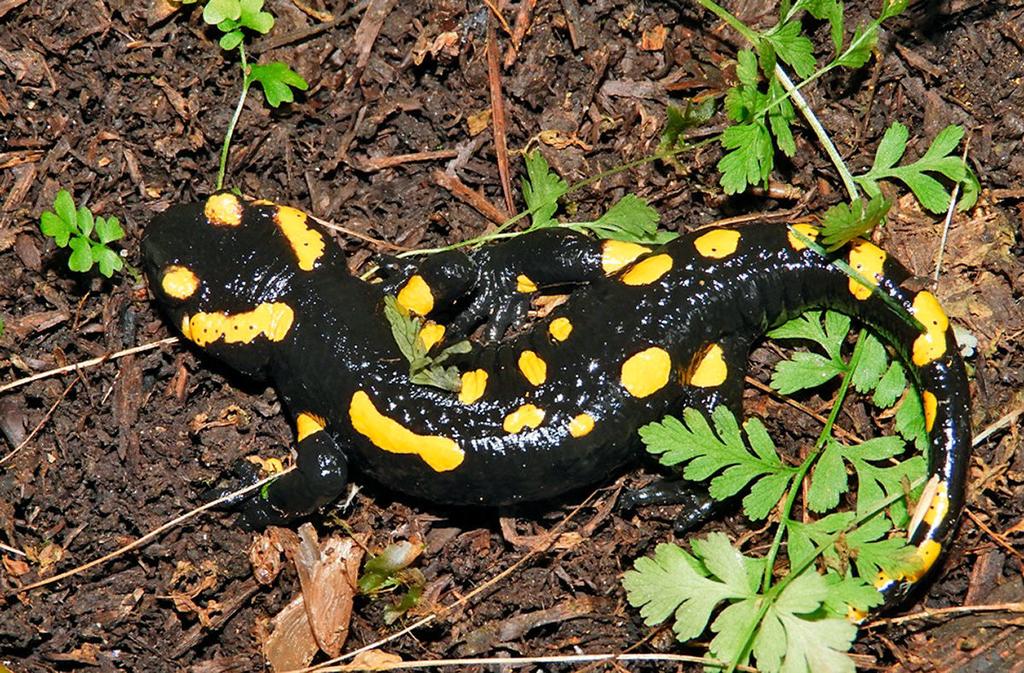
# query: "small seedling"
[87,236]
[233,18]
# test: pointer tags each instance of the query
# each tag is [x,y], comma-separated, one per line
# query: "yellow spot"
[866,259]
[646,372]
[617,254]
[648,270]
[560,329]
[711,370]
[268,466]
[474,384]
[581,425]
[717,243]
[526,416]
[938,508]
[263,202]
[855,616]
[533,368]
[525,285]
[308,424]
[931,405]
[416,296]
[931,345]
[440,453]
[179,282]
[307,243]
[268,320]
[430,334]
[928,551]
[224,210]
[883,579]
[808,230]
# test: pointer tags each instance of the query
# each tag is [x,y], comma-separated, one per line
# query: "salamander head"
[224,271]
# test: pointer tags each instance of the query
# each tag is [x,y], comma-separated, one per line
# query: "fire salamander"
[645,332]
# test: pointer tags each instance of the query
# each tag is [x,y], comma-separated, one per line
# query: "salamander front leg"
[320,477]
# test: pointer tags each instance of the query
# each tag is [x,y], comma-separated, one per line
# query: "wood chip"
[653,39]
[366,35]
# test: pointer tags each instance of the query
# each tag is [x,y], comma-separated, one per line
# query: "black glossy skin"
[340,343]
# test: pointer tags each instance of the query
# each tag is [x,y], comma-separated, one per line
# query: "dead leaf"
[446,44]
[291,644]
[160,10]
[371,659]
[560,140]
[328,574]
[86,654]
[15,567]
[49,556]
[265,557]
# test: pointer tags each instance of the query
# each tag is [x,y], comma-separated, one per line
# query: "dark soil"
[125,106]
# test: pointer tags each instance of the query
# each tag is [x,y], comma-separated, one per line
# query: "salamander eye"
[179,282]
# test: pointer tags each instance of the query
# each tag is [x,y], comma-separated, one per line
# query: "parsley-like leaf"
[722,456]
[674,582]
[542,188]
[891,386]
[844,222]
[798,633]
[936,160]
[277,81]
[631,219]
[424,369]
[677,122]
[748,159]
[809,370]
[792,47]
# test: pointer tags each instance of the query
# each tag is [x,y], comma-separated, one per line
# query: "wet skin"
[645,333]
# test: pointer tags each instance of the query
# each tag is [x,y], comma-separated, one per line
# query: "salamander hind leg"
[715,378]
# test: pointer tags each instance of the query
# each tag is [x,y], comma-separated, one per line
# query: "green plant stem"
[246,83]
[767,588]
[500,233]
[805,466]
[730,19]
[819,130]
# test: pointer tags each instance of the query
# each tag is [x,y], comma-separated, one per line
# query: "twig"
[498,116]
[999,539]
[378,163]
[357,234]
[942,612]
[1004,422]
[522,661]
[522,25]
[87,363]
[497,13]
[12,550]
[366,35]
[459,189]
[39,426]
[156,532]
[949,216]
